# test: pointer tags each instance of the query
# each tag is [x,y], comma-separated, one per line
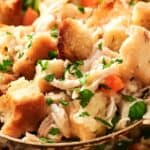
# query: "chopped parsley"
[34,4]
[52,54]
[74,70]
[83,79]
[5,65]
[29,39]
[132,3]
[104,122]
[81,9]
[84,114]
[8,33]
[100,46]
[112,61]
[115,120]
[85,97]
[49,77]
[20,55]
[45,140]
[137,110]
[43,64]
[54,32]
[49,101]
[64,103]
[54,131]
[128,98]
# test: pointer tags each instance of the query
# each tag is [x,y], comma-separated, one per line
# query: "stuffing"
[26,108]
[5,79]
[61,119]
[87,127]
[141,13]
[115,32]
[72,11]
[136,55]
[10,12]
[55,66]
[108,10]
[38,47]
[75,41]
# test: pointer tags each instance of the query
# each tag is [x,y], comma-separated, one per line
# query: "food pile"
[73,69]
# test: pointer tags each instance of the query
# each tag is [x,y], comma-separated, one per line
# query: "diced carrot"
[113,83]
[29,16]
[89,3]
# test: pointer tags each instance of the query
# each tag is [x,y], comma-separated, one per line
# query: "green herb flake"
[74,70]
[54,32]
[20,54]
[132,3]
[43,64]
[49,101]
[49,77]
[83,79]
[137,110]
[84,114]
[34,4]
[104,122]
[52,54]
[85,97]
[8,33]
[64,103]
[107,65]
[119,61]
[45,140]
[81,9]
[5,66]
[54,131]
[100,46]
[115,120]
[128,98]
[29,38]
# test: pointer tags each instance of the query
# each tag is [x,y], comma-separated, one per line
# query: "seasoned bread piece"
[88,127]
[141,14]
[135,52]
[115,32]
[26,108]
[75,40]
[40,45]
[10,12]
[55,66]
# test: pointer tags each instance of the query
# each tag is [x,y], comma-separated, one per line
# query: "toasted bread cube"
[88,127]
[41,44]
[75,40]
[141,14]
[11,12]
[27,108]
[135,52]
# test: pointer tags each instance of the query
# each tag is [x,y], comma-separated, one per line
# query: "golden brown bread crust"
[141,15]
[42,43]
[39,49]
[75,41]
[10,12]
[23,111]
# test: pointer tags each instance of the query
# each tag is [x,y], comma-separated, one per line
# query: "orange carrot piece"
[114,82]
[29,16]
[89,3]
